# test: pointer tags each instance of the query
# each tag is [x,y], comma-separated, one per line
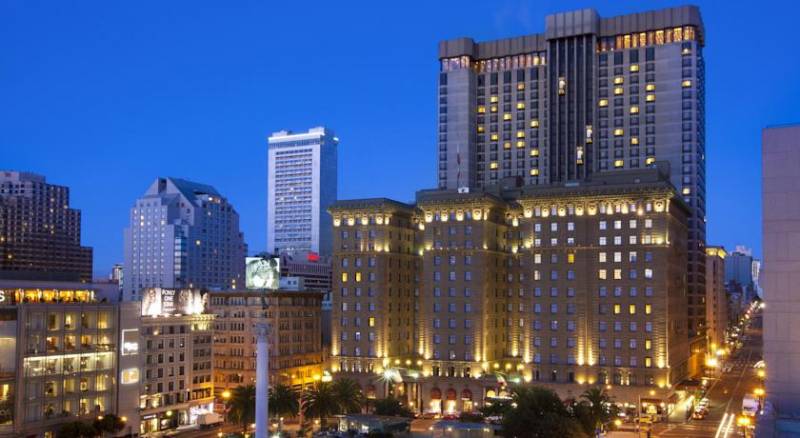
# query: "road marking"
[719,428]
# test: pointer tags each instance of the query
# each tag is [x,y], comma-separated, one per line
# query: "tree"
[283,401]
[242,406]
[595,410]
[538,413]
[392,407]
[320,402]
[109,423]
[76,429]
[348,395]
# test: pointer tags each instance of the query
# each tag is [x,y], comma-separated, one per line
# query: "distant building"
[315,270]
[716,298]
[116,274]
[301,185]
[61,359]
[781,235]
[177,382]
[296,353]
[182,234]
[40,235]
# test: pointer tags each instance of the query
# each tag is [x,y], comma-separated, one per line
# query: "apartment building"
[295,320]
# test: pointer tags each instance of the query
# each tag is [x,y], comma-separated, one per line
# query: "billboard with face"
[157,301]
[262,273]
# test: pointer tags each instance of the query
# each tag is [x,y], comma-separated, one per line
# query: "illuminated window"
[493,165]
[521,86]
[632,309]
[562,86]
[619,163]
[619,132]
[648,362]
[648,309]
[603,102]
[651,98]
[589,133]
[649,160]
[520,105]
[344,277]
[481,109]
[571,257]
[579,155]
[648,344]
[634,140]
[494,137]
[686,51]
[686,83]
[480,129]
[507,145]
[520,134]
[358,277]
[618,80]
[618,90]
[534,123]
[601,274]
[372,321]
[650,87]
[521,144]
[634,67]
[534,172]
[635,109]
[507,116]
[617,309]
[534,152]
[493,99]
[617,274]
[687,191]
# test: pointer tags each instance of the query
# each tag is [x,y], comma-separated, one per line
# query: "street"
[725,395]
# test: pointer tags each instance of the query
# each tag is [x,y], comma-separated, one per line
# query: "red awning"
[436,394]
[466,394]
[451,394]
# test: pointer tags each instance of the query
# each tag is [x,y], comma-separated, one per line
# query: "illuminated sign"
[262,273]
[129,376]
[130,342]
[157,301]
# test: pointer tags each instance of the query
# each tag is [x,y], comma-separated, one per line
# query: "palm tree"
[349,396]
[320,402]
[242,406]
[599,408]
[283,401]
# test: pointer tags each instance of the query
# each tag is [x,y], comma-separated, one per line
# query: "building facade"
[467,290]
[176,341]
[588,95]
[182,234]
[716,298]
[301,185]
[295,321]
[40,235]
[781,230]
[61,353]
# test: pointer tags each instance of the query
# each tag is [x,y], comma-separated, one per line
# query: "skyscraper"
[301,185]
[781,234]
[40,235]
[716,298]
[182,234]
[588,95]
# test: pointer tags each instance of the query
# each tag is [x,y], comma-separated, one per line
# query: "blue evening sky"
[105,96]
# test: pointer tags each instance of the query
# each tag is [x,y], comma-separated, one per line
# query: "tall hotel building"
[453,297]
[182,234]
[588,95]
[301,185]
[40,235]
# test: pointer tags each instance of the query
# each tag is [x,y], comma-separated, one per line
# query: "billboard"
[262,272]
[157,301]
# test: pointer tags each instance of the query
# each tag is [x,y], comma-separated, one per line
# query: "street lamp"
[226,394]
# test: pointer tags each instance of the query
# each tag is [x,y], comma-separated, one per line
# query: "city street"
[725,394]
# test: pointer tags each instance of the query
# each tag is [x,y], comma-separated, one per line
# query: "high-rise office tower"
[182,234]
[301,185]
[716,298]
[40,235]
[781,233]
[588,95]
